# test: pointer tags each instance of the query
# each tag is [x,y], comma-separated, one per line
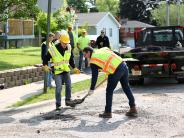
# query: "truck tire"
[136,82]
[180,80]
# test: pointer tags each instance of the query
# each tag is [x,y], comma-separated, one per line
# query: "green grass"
[15,58]
[76,87]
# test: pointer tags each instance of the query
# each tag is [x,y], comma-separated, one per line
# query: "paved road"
[160,106]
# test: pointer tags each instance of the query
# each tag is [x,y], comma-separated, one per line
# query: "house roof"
[92,19]
[135,24]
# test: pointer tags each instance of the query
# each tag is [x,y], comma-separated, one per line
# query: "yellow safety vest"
[60,63]
[106,59]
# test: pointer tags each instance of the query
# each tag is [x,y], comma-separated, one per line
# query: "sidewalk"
[12,95]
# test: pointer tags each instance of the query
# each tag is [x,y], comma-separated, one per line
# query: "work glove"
[76,71]
[46,68]
[90,92]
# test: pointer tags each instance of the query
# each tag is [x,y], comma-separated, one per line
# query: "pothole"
[155,94]
[63,117]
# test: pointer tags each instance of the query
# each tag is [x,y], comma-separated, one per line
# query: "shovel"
[79,101]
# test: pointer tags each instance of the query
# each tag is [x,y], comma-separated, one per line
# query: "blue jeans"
[81,60]
[121,74]
[58,81]
[50,76]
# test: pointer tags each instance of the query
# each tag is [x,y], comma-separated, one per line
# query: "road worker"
[43,54]
[82,42]
[60,54]
[117,70]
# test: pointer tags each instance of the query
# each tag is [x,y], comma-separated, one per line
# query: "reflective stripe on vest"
[60,63]
[51,44]
[52,52]
[106,59]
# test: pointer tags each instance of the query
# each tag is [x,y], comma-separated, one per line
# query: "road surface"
[160,106]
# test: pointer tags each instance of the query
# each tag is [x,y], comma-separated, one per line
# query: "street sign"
[55,5]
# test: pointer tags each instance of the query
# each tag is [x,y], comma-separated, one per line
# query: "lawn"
[76,87]
[20,57]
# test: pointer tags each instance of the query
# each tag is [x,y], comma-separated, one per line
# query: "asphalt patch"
[155,94]
[59,116]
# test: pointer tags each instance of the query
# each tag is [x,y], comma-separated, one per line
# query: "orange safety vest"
[106,59]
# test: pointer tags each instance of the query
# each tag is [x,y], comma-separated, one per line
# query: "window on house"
[110,32]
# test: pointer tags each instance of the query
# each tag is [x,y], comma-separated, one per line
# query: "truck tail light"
[166,66]
[152,65]
[173,66]
[163,54]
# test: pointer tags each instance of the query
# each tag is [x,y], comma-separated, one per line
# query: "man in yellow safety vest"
[43,54]
[60,54]
[82,42]
[116,68]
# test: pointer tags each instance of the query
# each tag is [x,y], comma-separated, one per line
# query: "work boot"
[58,107]
[70,103]
[132,112]
[105,115]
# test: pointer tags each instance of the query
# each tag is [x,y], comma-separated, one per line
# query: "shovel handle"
[95,88]
[101,83]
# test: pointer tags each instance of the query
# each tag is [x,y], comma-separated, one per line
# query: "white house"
[101,21]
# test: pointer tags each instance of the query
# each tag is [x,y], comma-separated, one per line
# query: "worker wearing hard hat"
[82,42]
[117,70]
[61,57]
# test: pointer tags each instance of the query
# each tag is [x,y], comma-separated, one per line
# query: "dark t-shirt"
[104,40]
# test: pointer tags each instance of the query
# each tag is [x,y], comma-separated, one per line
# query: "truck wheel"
[137,82]
[180,80]
[141,81]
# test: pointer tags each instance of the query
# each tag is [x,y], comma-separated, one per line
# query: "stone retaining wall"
[21,76]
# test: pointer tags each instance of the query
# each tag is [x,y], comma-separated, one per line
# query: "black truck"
[158,52]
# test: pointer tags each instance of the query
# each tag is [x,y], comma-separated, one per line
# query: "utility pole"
[77,23]
[47,42]
[167,12]
[178,12]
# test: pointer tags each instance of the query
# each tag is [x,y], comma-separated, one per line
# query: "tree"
[159,14]
[59,20]
[137,9]
[108,6]
[18,9]
[78,5]
[64,17]
[42,22]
